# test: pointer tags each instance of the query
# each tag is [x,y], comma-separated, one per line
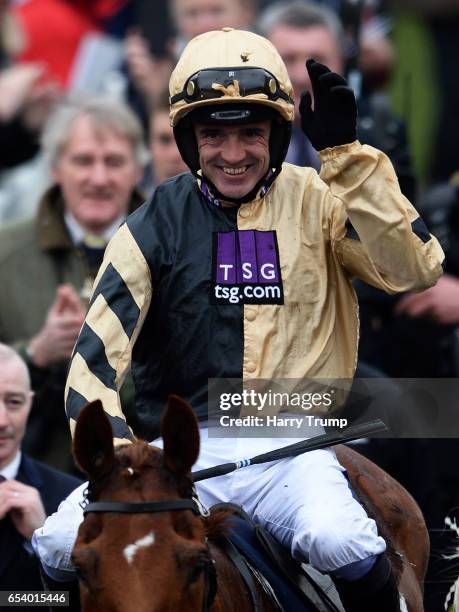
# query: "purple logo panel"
[247,268]
[247,256]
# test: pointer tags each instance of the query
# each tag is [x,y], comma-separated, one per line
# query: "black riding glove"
[333,121]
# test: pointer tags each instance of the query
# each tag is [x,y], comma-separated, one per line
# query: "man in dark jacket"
[29,491]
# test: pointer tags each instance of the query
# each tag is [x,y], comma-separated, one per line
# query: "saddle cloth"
[294,588]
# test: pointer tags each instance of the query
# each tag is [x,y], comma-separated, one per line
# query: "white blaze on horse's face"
[131,549]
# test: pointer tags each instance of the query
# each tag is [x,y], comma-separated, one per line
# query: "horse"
[132,553]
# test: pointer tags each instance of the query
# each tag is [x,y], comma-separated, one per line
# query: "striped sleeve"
[102,355]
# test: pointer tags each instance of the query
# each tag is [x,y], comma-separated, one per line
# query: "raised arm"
[375,231]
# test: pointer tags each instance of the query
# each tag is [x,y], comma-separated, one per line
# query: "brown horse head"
[140,561]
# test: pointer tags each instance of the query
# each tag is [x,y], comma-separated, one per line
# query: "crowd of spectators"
[85,137]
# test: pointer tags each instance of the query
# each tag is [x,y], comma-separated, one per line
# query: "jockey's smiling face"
[234,157]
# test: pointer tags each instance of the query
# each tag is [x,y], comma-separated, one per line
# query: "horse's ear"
[93,441]
[180,433]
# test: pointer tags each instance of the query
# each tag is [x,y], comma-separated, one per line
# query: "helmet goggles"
[212,83]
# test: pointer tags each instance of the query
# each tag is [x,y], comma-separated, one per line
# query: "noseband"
[141,507]
[193,504]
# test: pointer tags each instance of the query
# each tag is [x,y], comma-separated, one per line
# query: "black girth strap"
[240,564]
[211,585]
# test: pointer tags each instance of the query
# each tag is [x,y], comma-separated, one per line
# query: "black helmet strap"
[263,184]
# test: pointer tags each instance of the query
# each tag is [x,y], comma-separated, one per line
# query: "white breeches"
[305,502]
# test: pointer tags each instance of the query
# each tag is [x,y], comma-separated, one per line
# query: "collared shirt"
[11,470]
[77,231]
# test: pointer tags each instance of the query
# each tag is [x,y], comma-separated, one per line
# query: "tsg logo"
[246,268]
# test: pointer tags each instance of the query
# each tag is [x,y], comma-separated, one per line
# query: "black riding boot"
[374,592]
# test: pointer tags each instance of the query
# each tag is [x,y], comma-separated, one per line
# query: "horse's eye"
[196,571]
[81,574]
[86,578]
[79,568]
[86,563]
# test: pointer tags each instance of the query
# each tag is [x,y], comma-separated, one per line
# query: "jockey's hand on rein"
[333,121]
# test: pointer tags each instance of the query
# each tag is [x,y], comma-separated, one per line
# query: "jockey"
[181,296]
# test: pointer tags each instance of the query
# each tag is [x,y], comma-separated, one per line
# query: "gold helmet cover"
[229,66]
[231,76]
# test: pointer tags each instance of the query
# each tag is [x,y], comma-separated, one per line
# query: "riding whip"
[292,450]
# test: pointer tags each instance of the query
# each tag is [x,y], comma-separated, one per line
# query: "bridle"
[142,507]
[193,504]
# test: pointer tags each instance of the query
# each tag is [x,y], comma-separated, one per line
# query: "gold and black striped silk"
[120,301]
